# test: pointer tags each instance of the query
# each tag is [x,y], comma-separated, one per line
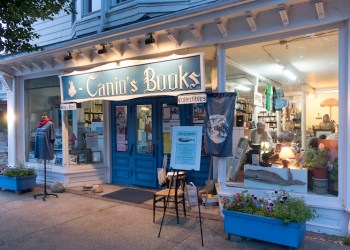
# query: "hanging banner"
[169,76]
[218,124]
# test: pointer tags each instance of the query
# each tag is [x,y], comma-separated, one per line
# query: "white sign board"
[68,106]
[186,148]
[192,98]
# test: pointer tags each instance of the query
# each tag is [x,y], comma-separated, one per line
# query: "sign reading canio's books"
[169,76]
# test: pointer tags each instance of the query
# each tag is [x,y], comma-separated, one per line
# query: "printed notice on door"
[186,147]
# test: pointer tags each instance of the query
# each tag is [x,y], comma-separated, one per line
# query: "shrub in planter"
[17,178]
[279,218]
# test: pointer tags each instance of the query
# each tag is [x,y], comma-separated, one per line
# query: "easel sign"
[186,148]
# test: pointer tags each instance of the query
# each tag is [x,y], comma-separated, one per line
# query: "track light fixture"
[102,51]
[68,56]
[150,39]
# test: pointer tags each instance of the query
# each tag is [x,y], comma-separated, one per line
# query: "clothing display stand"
[167,201]
[45,190]
[44,147]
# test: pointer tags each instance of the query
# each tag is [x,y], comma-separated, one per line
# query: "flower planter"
[17,183]
[263,228]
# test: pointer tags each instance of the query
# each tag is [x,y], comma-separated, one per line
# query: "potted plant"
[333,178]
[279,219]
[17,178]
[317,160]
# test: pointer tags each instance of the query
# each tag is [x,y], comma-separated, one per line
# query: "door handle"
[131,148]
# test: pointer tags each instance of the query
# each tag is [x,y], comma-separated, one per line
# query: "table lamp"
[285,154]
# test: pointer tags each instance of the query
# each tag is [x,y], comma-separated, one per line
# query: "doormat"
[137,196]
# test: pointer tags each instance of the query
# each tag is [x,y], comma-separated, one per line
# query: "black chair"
[176,184]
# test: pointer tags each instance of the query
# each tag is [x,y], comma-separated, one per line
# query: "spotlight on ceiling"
[150,39]
[102,51]
[68,56]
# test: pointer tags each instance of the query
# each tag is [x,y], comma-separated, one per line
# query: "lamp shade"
[286,153]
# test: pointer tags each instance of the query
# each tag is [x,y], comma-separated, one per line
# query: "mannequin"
[45,139]
[44,146]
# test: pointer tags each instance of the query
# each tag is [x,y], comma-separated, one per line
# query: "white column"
[8,82]
[219,162]
[65,149]
[255,109]
[344,119]
[303,116]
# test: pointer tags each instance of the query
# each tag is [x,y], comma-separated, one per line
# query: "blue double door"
[141,131]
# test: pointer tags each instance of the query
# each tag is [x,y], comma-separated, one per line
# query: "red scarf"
[43,122]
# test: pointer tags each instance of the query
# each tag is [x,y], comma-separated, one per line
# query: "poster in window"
[198,112]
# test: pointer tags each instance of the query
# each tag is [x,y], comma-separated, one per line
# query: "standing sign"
[218,124]
[186,148]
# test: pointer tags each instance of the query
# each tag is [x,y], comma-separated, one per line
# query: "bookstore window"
[292,77]
[42,98]
[85,133]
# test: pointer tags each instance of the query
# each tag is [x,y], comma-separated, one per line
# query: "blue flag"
[218,124]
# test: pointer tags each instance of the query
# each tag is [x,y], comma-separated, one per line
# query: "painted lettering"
[92,78]
[194,77]
[173,85]
[134,87]
[122,86]
[182,77]
[161,83]
[149,80]
[110,88]
[101,89]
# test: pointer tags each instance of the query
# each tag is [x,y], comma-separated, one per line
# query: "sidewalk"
[78,220]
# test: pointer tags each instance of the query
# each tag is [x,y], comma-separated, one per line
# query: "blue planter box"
[17,183]
[265,229]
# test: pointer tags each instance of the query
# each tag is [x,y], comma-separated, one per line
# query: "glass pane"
[278,98]
[122,121]
[144,129]
[42,96]
[170,119]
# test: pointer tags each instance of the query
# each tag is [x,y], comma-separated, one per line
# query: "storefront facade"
[231,36]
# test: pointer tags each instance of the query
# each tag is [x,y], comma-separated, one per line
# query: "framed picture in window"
[96,156]
[73,159]
[82,158]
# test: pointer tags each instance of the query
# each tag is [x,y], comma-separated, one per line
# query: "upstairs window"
[89,6]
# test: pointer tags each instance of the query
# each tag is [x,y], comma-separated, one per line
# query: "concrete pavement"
[81,221]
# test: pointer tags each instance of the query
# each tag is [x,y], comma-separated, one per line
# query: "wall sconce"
[320,10]
[150,39]
[286,154]
[68,56]
[102,51]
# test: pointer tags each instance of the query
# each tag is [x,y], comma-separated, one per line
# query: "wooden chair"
[176,184]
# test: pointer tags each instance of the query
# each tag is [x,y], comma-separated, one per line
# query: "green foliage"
[19,170]
[17,18]
[346,240]
[281,206]
[333,174]
[316,157]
